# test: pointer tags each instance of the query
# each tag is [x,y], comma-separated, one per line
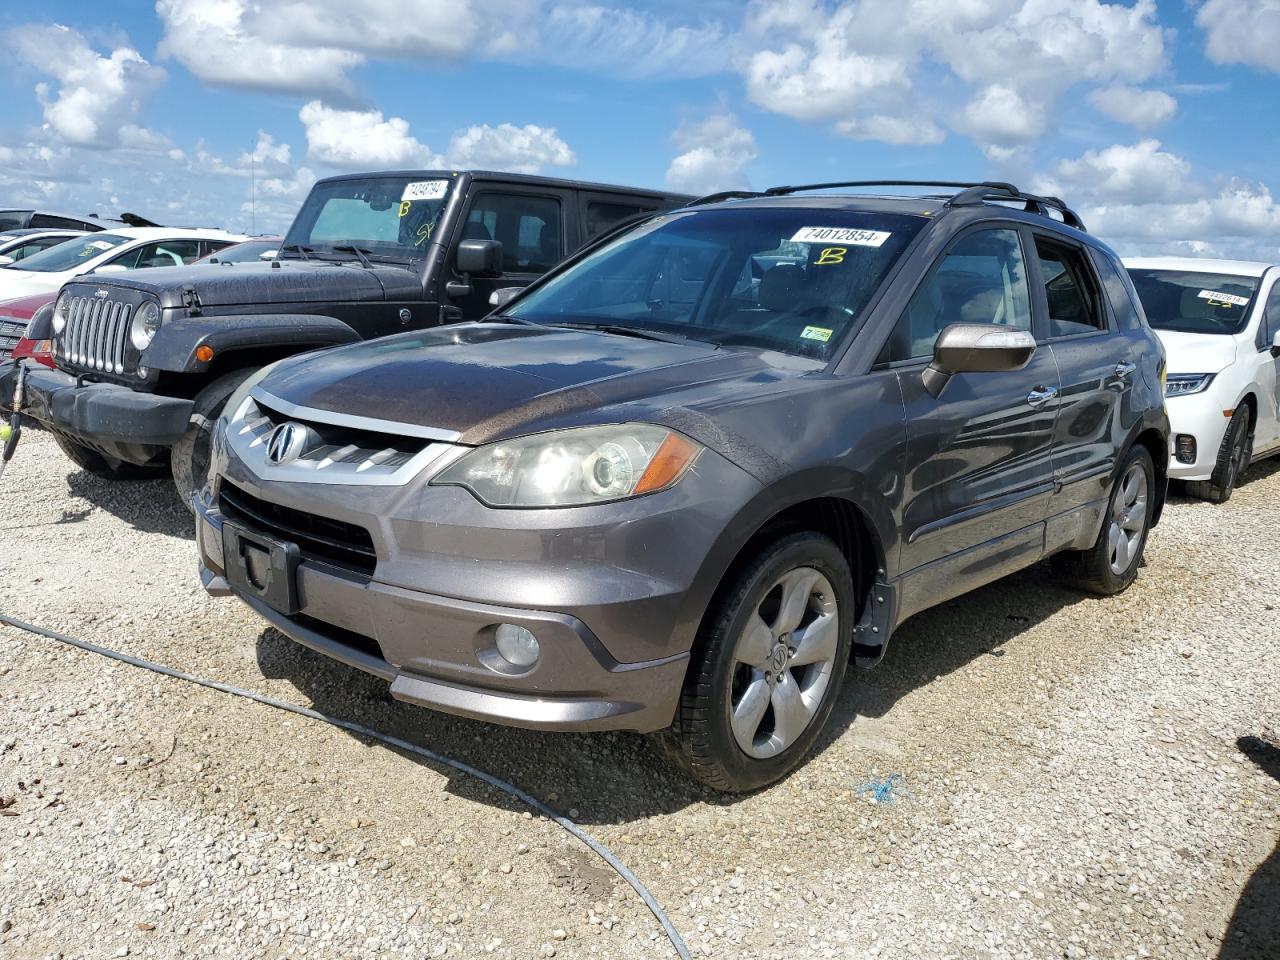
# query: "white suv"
[1219,321]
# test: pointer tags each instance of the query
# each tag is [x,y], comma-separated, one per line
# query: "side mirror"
[268,254]
[482,257]
[503,295]
[5,260]
[110,268]
[1275,345]
[976,348]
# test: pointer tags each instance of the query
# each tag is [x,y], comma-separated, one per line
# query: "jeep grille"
[96,336]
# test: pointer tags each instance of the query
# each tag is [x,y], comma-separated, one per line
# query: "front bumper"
[429,648]
[1200,416]
[118,422]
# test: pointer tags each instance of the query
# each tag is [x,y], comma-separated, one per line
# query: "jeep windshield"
[69,255]
[1188,301]
[785,279]
[391,218]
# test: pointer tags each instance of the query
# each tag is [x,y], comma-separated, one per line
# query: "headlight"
[574,467]
[60,312]
[145,324]
[1185,384]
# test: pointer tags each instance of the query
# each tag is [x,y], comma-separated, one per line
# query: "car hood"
[24,308]
[488,381]
[1197,352]
[25,283]
[239,284]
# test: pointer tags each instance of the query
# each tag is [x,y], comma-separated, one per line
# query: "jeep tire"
[189,458]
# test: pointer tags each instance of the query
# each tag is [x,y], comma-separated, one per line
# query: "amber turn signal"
[668,465]
[204,353]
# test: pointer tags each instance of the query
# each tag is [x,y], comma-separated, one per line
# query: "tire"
[189,458]
[91,461]
[1233,459]
[736,667]
[1111,564]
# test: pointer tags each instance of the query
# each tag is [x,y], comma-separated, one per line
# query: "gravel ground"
[1070,779]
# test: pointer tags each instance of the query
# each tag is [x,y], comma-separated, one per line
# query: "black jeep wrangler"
[145,364]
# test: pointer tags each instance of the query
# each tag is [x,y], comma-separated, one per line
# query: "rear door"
[1097,365]
[978,473]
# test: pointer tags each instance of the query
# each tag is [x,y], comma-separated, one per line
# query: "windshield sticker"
[100,245]
[821,334]
[860,238]
[1223,299]
[424,190]
[831,255]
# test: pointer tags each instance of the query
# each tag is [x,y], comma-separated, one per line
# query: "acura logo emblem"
[287,443]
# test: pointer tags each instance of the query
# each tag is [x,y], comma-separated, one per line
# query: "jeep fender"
[176,342]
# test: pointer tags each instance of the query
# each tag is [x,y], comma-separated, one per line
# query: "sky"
[1157,121]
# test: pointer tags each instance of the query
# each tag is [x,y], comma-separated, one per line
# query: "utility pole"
[253,191]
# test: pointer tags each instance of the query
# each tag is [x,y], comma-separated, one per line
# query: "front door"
[530,227]
[1267,431]
[978,471]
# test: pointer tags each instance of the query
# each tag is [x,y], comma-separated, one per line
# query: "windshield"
[69,255]
[787,279]
[1193,302]
[390,217]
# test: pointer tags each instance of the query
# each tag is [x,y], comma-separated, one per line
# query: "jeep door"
[1098,364]
[530,224]
[978,469]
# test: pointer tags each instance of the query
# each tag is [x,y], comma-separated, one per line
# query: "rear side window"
[981,279]
[1119,290]
[529,229]
[602,215]
[1074,303]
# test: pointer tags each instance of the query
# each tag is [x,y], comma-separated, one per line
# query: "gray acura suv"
[682,481]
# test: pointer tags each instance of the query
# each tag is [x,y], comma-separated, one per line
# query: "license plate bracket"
[262,567]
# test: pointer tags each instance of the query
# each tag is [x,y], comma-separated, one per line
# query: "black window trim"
[496,188]
[1041,300]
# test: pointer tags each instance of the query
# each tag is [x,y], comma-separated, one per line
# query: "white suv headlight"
[577,467]
[1185,384]
[146,321]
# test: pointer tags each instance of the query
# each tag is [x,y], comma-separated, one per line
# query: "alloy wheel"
[1128,519]
[782,663]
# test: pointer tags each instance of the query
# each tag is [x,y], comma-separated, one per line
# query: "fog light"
[1185,448]
[517,645]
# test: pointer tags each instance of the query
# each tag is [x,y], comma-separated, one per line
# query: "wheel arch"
[1156,445]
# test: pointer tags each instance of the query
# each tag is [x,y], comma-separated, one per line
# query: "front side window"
[981,279]
[1189,301]
[795,280]
[393,218]
[1071,294]
[1270,325]
[528,228]
[73,253]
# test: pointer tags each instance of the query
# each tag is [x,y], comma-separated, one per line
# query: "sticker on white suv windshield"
[101,244]
[425,190]
[860,238]
[1224,298]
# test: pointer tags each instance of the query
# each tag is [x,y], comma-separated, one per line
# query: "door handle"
[1041,395]
[1125,367]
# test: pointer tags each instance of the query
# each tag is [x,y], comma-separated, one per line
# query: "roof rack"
[970,194]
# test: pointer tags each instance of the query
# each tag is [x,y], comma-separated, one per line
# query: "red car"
[15,316]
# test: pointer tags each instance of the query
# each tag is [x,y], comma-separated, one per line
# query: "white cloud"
[630,43]
[98,98]
[713,155]
[361,139]
[900,131]
[1134,174]
[1144,109]
[1000,115]
[527,149]
[1242,31]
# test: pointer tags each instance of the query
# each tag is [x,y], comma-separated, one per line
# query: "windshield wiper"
[619,330]
[352,248]
[300,248]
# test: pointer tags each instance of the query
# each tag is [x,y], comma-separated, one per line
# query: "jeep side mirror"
[482,257]
[976,348]
[503,295]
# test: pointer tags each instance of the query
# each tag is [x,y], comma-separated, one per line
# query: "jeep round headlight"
[575,467]
[60,312]
[145,324]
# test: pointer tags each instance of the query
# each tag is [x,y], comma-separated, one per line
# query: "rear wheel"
[767,667]
[189,459]
[91,461]
[1233,460]
[1111,564]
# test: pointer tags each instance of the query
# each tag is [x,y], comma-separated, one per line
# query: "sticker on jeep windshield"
[821,334]
[1223,299]
[425,190]
[860,238]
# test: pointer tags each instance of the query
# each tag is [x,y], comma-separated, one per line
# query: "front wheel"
[767,666]
[190,456]
[1233,460]
[1111,564]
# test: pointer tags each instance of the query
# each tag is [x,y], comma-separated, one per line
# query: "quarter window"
[982,279]
[1072,295]
[528,228]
